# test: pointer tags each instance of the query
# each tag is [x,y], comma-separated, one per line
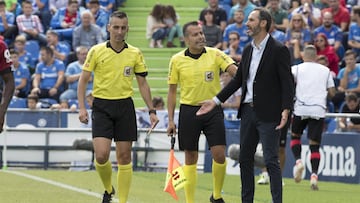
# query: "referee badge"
[127,71]
[209,76]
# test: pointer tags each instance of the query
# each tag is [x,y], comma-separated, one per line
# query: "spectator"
[239,27]
[8,28]
[297,34]
[333,33]
[294,4]
[61,50]
[245,5]
[323,48]
[24,56]
[351,106]
[281,21]
[30,25]
[33,102]
[41,8]
[277,34]
[174,28]
[212,32]
[310,14]
[155,27]
[220,14]
[341,14]
[158,103]
[323,60]
[101,16]
[87,33]
[349,77]
[65,20]
[72,75]
[234,50]
[55,5]
[107,5]
[354,31]
[49,75]
[21,76]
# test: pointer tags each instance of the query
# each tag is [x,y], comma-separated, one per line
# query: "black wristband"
[152,111]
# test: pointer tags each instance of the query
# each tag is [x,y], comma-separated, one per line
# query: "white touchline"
[58,184]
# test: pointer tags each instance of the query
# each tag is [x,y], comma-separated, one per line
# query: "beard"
[254,31]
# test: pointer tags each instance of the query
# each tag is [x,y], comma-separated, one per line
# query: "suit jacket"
[273,86]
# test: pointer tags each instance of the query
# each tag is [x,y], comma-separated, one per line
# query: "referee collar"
[108,45]
[194,56]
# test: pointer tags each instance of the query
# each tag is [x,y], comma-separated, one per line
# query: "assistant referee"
[114,64]
[197,71]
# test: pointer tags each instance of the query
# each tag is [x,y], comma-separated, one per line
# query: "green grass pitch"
[147,187]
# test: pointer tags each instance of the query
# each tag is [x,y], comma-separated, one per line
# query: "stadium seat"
[47,102]
[33,47]
[18,103]
[331,125]
[342,106]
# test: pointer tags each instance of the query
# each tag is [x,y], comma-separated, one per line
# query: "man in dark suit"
[268,90]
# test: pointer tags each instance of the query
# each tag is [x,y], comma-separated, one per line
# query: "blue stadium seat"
[33,47]
[18,103]
[342,106]
[47,102]
[331,125]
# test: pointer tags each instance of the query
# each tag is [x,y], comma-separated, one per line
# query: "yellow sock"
[124,177]
[190,173]
[105,172]
[218,173]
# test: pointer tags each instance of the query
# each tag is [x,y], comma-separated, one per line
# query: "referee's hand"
[206,107]
[171,130]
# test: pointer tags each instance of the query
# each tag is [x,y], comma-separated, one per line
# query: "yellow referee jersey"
[199,79]
[114,72]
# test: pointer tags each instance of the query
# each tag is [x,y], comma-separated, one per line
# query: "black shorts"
[190,127]
[114,119]
[314,127]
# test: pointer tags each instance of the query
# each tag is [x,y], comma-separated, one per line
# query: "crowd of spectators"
[333,26]
[48,42]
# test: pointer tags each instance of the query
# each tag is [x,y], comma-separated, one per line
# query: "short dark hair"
[72,2]
[264,14]
[118,14]
[350,52]
[351,97]
[94,2]
[356,10]
[33,96]
[191,23]
[235,33]
[157,100]
[14,51]
[2,2]
[48,50]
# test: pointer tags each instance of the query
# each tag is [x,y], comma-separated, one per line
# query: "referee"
[114,64]
[197,71]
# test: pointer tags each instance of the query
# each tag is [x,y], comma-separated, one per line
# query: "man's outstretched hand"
[206,107]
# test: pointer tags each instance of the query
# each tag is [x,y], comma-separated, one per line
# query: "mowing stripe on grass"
[57,184]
